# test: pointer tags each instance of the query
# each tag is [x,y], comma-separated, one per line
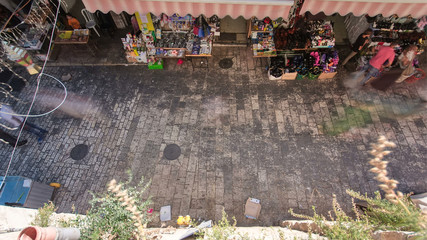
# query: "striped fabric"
[194,8]
[372,8]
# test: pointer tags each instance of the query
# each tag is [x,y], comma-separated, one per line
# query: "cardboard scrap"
[252,208]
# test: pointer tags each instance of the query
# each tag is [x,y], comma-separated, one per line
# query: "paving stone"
[241,135]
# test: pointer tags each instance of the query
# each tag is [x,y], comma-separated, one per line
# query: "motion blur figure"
[8,115]
[74,106]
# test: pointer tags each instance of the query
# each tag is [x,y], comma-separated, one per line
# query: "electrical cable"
[13,14]
[49,112]
[34,98]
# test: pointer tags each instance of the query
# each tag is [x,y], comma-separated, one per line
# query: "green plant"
[120,213]
[342,227]
[43,216]
[222,230]
[394,212]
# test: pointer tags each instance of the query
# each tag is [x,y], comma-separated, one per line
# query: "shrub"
[120,213]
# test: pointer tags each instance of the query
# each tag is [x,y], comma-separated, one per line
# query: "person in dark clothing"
[361,41]
[9,139]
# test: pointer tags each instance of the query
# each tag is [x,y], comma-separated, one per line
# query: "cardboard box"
[130,59]
[325,75]
[289,76]
[252,208]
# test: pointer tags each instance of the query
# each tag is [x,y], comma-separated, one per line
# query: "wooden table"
[76,40]
[203,60]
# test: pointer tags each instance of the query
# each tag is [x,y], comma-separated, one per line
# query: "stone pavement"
[291,144]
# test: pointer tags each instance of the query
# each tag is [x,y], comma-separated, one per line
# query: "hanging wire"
[49,112]
[13,14]
[33,100]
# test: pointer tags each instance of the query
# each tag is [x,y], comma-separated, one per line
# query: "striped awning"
[234,8]
[415,8]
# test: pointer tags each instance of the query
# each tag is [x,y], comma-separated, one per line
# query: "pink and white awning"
[234,8]
[416,8]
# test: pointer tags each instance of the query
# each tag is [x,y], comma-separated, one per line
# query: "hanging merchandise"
[170,37]
[262,37]
[33,30]
[184,36]
[329,62]
[290,39]
[404,30]
[308,48]
[21,57]
[322,35]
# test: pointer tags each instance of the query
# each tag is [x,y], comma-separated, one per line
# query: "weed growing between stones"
[43,216]
[223,229]
[394,212]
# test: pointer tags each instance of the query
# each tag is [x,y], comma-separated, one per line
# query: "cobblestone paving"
[241,136]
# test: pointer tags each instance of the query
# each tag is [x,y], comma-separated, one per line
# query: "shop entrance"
[233,31]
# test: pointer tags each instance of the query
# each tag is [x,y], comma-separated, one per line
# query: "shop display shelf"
[264,55]
[160,56]
[198,55]
[170,48]
[390,30]
[257,31]
[323,47]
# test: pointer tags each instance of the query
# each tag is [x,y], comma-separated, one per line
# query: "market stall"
[75,37]
[404,31]
[32,32]
[305,50]
[173,36]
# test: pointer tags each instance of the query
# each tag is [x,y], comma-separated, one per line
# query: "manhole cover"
[172,152]
[79,152]
[225,63]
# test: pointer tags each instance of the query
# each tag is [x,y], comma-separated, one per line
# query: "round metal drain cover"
[225,63]
[79,152]
[172,152]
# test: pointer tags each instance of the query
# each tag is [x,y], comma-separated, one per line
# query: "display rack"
[312,45]
[262,38]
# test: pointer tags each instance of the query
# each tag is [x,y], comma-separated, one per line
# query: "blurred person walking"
[406,62]
[9,139]
[384,55]
[8,115]
[357,46]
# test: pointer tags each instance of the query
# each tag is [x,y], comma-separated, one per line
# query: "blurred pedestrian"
[357,46]
[406,62]
[385,55]
[8,115]
[73,22]
[9,139]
